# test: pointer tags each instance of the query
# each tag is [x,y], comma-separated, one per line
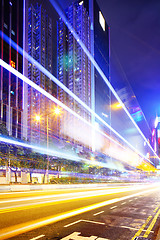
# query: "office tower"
[96,30]
[11,19]
[41,46]
[101,55]
[74,67]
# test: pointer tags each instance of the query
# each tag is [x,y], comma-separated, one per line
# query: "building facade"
[74,67]
[11,87]
[75,70]
[41,28]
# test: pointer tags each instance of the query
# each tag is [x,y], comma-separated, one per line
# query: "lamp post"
[57,111]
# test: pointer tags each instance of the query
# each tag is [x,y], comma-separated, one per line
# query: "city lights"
[68,109]
[76,122]
[75,144]
[39,66]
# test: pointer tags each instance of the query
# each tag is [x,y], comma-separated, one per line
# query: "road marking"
[94,222]
[98,213]
[113,207]
[123,203]
[155,210]
[152,224]
[70,224]
[75,236]
[135,229]
[142,228]
[40,236]
[130,200]
[15,230]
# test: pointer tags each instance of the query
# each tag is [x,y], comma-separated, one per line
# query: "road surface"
[115,212]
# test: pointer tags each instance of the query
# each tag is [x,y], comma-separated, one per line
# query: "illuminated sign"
[101,20]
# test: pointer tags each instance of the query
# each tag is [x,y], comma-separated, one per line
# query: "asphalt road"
[114,213]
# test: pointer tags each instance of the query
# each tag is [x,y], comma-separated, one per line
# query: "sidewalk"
[31,187]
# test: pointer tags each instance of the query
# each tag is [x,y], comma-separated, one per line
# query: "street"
[113,212]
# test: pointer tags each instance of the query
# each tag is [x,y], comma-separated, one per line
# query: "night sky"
[135,48]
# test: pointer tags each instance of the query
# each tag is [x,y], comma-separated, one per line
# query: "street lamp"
[57,111]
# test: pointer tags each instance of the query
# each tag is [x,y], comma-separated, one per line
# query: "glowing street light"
[116,106]
[37,117]
[57,111]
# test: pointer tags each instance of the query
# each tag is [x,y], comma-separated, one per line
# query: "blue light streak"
[63,16]
[49,96]
[48,74]
[50,152]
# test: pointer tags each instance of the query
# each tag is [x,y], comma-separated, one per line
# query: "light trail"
[28,226]
[49,96]
[52,152]
[79,41]
[47,73]
[71,196]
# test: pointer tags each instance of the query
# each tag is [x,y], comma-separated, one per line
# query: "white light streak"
[47,73]
[63,16]
[49,96]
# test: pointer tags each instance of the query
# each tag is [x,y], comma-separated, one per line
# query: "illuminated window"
[101,20]
[13,64]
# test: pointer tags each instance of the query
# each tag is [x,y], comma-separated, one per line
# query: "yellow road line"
[151,224]
[145,224]
[155,210]
[142,228]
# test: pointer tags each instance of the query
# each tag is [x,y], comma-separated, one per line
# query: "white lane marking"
[75,236]
[70,224]
[98,213]
[40,236]
[113,207]
[123,203]
[135,198]
[130,200]
[136,229]
[94,222]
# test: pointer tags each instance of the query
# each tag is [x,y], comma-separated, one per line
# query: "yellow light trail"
[61,198]
[24,227]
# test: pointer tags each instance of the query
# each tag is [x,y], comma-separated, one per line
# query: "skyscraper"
[11,19]
[41,46]
[88,21]
[74,67]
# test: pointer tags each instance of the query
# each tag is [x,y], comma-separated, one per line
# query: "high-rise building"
[75,70]
[41,28]
[11,109]
[74,67]
[100,50]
